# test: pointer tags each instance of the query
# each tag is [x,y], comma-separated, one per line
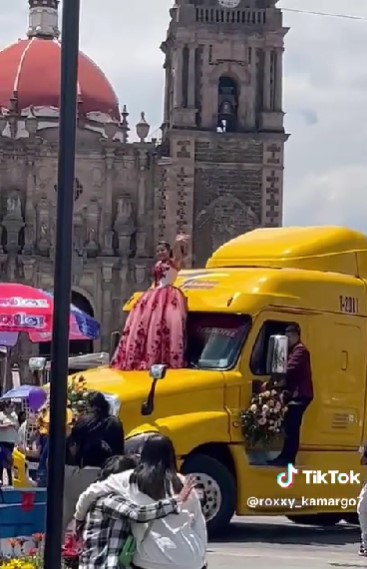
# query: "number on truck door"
[348,304]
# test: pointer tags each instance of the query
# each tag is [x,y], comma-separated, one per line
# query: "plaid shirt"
[108,525]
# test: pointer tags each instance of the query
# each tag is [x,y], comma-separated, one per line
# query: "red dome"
[30,72]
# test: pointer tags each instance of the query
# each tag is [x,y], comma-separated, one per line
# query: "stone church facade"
[216,173]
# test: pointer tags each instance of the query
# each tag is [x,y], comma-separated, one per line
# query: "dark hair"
[156,475]
[294,328]
[99,402]
[96,454]
[117,464]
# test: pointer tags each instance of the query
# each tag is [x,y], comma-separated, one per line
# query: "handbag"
[129,549]
[127,552]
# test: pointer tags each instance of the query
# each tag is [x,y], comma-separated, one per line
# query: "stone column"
[167,89]
[267,71]
[106,227]
[252,99]
[107,307]
[30,212]
[178,72]
[192,77]
[279,80]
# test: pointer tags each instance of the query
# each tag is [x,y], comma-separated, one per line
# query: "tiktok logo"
[285,479]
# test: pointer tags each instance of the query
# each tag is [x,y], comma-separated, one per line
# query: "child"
[362,507]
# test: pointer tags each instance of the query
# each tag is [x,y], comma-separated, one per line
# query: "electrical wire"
[325,14]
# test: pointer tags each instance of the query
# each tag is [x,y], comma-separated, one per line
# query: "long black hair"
[156,475]
[99,404]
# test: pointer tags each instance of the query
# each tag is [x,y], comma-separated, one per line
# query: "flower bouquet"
[262,422]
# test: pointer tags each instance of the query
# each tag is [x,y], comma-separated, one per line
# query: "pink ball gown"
[155,330]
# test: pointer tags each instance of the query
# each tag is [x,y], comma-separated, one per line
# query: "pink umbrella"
[27,309]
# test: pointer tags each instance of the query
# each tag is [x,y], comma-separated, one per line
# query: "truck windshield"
[215,340]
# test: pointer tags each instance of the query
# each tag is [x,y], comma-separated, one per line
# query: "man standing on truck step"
[298,381]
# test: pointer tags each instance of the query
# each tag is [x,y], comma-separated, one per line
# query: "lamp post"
[62,281]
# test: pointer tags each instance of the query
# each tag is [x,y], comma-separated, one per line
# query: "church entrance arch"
[76,347]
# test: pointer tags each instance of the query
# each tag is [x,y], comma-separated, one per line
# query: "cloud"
[326,176]
[325,92]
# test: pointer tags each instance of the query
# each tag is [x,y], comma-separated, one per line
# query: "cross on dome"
[43,19]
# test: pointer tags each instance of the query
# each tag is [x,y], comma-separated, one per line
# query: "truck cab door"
[339,382]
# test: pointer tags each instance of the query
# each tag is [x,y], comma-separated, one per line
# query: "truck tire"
[352,519]
[216,487]
[322,520]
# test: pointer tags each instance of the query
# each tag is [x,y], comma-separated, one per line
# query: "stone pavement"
[264,542]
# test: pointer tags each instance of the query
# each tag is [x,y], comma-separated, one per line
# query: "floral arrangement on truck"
[263,422]
[77,405]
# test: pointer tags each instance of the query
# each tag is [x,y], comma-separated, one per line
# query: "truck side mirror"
[276,361]
[156,372]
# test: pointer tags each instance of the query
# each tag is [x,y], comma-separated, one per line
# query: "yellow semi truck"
[250,290]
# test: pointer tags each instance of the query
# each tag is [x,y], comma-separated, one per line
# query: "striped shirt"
[107,526]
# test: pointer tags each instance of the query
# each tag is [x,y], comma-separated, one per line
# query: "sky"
[325,92]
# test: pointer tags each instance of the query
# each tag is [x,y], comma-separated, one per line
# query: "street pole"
[62,282]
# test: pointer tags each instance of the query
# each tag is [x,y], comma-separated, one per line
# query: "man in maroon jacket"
[299,383]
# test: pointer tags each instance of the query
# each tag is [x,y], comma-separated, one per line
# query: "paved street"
[277,543]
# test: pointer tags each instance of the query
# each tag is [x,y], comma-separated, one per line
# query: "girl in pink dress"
[155,330]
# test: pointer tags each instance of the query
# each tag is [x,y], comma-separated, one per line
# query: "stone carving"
[107,272]
[45,238]
[13,207]
[79,235]
[141,194]
[28,269]
[141,244]
[225,218]
[30,228]
[124,223]
[29,238]
[93,215]
[12,268]
[108,242]
[223,151]
[12,223]
[140,275]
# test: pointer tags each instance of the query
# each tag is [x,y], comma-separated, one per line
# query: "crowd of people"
[134,511]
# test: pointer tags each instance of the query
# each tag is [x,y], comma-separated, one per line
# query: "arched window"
[227,104]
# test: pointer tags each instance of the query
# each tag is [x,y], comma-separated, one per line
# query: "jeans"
[292,429]
[362,515]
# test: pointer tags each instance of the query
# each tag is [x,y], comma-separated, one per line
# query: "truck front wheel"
[217,489]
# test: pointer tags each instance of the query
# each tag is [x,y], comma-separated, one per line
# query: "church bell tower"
[223,133]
